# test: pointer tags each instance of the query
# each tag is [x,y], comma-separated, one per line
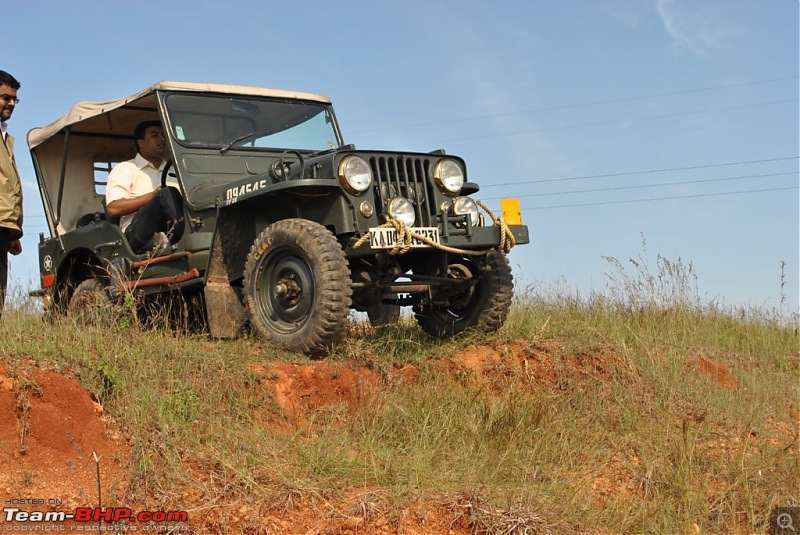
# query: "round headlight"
[355,174]
[449,176]
[387,190]
[401,209]
[466,206]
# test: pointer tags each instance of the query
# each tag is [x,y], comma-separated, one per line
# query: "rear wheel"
[483,304]
[297,286]
[91,303]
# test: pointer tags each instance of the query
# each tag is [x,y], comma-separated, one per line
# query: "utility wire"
[631,201]
[641,172]
[601,123]
[661,198]
[640,186]
[578,105]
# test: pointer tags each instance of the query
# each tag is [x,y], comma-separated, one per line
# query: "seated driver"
[150,217]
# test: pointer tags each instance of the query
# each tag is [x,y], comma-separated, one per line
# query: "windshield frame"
[205,170]
[241,122]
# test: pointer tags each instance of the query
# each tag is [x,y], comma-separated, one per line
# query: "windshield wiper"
[227,147]
[332,149]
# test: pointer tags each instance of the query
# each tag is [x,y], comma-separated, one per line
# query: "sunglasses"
[9,98]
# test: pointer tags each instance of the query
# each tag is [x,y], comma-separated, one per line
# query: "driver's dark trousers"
[163,213]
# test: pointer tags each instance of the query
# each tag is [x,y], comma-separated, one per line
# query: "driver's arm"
[122,207]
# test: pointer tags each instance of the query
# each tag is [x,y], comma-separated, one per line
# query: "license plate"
[385,238]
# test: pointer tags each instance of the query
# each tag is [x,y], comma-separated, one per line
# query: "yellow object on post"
[511,211]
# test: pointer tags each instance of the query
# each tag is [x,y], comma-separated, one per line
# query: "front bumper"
[476,239]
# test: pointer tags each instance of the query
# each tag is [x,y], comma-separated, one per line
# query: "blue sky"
[618,123]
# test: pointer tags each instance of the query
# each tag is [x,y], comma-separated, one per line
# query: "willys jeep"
[287,227]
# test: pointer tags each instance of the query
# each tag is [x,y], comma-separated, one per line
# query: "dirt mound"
[300,388]
[50,432]
[52,429]
[353,514]
[715,371]
[540,364]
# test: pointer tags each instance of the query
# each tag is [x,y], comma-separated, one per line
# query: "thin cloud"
[694,26]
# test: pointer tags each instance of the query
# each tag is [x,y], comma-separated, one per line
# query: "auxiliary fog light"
[366,209]
[401,209]
[466,206]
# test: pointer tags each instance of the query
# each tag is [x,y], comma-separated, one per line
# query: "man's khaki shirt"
[10,189]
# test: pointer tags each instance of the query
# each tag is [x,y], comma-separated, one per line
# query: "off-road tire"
[485,307]
[91,304]
[297,286]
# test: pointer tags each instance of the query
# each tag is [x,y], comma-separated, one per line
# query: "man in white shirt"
[150,217]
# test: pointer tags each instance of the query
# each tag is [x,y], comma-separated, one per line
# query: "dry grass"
[591,420]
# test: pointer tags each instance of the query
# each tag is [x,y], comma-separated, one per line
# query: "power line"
[601,123]
[578,105]
[640,186]
[601,203]
[642,172]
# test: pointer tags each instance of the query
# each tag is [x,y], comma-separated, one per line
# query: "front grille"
[407,176]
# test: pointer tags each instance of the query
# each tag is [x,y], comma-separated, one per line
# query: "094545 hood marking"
[232,194]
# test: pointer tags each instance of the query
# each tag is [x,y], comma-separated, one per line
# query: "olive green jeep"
[287,227]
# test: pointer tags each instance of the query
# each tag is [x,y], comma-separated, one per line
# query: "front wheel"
[483,304]
[297,286]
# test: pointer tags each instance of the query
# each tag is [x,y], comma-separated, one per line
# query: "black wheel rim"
[464,301]
[285,291]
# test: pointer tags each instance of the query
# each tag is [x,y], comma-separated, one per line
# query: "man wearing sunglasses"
[10,184]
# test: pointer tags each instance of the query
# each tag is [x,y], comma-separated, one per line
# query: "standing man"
[150,217]
[10,184]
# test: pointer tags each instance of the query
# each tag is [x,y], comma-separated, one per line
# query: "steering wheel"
[164,173]
[283,164]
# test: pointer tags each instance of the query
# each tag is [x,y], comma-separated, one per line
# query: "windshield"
[226,122]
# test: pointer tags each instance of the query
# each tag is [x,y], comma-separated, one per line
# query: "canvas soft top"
[83,112]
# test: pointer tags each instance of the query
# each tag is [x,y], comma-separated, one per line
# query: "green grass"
[621,436]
